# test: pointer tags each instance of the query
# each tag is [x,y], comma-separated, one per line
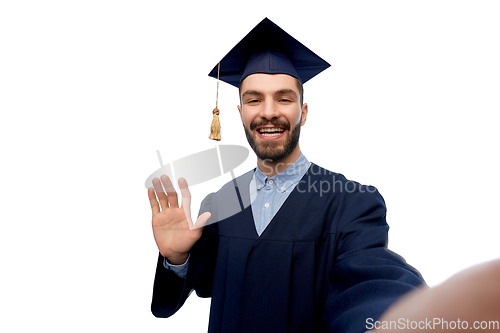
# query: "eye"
[253,101]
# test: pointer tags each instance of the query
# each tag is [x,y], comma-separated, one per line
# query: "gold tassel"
[215,128]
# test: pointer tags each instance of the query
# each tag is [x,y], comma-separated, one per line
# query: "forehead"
[269,83]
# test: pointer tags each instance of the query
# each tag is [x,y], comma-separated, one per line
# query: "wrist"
[177,258]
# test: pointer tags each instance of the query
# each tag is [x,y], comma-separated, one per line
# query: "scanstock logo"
[207,165]
[202,166]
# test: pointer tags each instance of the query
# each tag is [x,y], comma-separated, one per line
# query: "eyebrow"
[279,92]
[251,92]
[286,91]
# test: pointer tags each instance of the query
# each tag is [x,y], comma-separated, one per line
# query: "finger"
[186,195]
[173,202]
[186,200]
[162,197]
[202,220]
[155,207]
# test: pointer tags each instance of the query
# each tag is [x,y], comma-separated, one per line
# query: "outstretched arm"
[366,277]
[468,300]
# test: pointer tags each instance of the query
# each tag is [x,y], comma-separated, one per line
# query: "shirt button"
[282,188]
[266,205]
[271,181]
[260,186]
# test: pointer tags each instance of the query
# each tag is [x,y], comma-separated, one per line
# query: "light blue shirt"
[267,195]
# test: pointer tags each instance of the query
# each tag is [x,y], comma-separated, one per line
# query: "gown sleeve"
[171,291]
[366,277]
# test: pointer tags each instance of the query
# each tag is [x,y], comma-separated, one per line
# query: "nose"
[270,110]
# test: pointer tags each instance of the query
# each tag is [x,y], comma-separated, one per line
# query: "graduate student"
[288,246]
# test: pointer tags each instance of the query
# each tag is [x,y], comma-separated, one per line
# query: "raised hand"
[173,229]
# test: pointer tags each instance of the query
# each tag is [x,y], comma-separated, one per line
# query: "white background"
[89,90]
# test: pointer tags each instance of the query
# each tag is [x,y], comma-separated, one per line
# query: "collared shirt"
[267,195]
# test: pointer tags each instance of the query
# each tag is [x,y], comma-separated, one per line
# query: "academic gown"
[321,265]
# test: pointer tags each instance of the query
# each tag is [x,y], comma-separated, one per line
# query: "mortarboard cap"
[268,49]
[265,49]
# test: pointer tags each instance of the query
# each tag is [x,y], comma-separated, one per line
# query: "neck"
[271,168]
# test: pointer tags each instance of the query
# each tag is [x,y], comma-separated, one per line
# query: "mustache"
[284,124]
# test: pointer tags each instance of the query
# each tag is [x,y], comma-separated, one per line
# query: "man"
[309,253]
[290,246]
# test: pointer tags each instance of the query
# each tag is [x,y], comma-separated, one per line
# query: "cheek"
[246,122]
[247,118]
[296,119]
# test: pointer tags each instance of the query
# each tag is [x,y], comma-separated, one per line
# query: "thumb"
[201,221]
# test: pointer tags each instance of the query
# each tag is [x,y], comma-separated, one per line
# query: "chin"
[273,151]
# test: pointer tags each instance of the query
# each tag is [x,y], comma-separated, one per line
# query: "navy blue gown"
[321,265]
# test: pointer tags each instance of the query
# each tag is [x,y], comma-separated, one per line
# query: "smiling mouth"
[271,132]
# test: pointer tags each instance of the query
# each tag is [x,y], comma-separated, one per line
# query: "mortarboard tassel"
[215,128]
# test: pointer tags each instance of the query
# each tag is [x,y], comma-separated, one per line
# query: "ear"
[305,110]
[239,110]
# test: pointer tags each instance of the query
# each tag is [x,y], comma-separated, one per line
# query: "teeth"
[271,130]
[271,134]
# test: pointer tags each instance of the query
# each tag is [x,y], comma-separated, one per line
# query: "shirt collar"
[286,178]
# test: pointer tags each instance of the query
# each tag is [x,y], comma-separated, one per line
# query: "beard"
[269,150]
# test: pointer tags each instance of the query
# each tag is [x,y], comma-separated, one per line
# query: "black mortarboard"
[268,49]
[265,49]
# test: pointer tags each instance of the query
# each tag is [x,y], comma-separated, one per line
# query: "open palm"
[173,229]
